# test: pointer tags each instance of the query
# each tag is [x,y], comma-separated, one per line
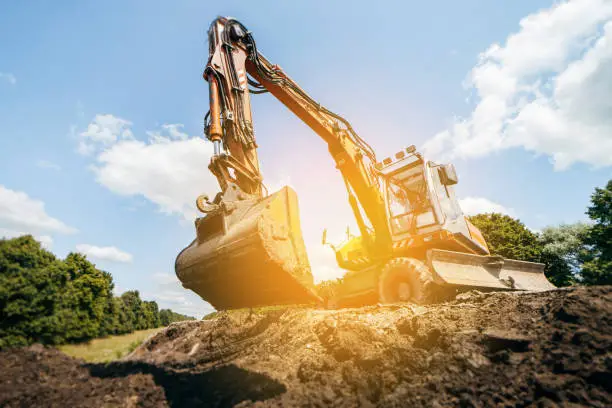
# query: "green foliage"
[563,248]
[31,280]
[211,315]
[508,237]
[151,314]
[556,247]
[51,301]
[133,304]
[83,299]
[167,316]
[597,268]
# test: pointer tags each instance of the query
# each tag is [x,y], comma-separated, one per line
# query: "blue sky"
[102,104]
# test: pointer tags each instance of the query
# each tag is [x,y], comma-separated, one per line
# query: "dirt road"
[499,349]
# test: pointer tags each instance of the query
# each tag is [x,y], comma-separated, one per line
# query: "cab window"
[399,208]
[405,198]
[398,201]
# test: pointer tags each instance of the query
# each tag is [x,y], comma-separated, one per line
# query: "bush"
[52,301]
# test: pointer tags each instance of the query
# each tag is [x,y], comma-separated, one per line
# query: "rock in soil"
[493,349]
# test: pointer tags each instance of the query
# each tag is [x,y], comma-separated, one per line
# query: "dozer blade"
[486,272]
[249,254]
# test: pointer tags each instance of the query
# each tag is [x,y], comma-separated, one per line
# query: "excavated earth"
[497,349]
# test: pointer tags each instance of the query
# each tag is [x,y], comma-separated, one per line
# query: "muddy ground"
[497,349]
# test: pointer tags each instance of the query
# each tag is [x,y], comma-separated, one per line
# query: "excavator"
[415,243]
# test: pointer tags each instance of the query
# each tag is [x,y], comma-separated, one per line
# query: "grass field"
[107,348]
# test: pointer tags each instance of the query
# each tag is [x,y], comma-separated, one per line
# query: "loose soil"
[496,349]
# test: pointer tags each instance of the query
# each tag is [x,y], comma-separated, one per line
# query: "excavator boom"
[233,58]
[249,248]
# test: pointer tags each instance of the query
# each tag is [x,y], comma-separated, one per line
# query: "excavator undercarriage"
[415,242]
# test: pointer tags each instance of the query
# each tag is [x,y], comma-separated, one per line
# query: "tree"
[31,279]
[84,299]
[133,308]
[125,317]
[167,316]
[508,237]
[563,250]
[597,268]
[110,323]
[47,300]
[151,312]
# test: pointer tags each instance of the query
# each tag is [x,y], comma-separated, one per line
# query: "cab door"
[408,203]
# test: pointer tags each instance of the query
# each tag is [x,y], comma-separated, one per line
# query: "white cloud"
[170,169]
[172,174]
[103,131]
[172,132]
[22,215]
[45,240]
[108,253]
[165,279]
[19,212]
[118,290]
[323,262]
[44,164]
[545,90]
[480,205]
[7,76]
[170,294]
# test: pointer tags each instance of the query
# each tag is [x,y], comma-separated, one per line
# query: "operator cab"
[421,204]
[408,203]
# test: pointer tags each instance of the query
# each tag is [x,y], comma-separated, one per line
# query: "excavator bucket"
[249,253]
[486,272]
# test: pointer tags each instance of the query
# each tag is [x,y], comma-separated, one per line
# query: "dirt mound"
[40,377]
[498,349]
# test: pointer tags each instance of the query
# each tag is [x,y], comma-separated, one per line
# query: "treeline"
[48,300]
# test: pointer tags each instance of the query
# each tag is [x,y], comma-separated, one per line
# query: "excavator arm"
[233,65]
